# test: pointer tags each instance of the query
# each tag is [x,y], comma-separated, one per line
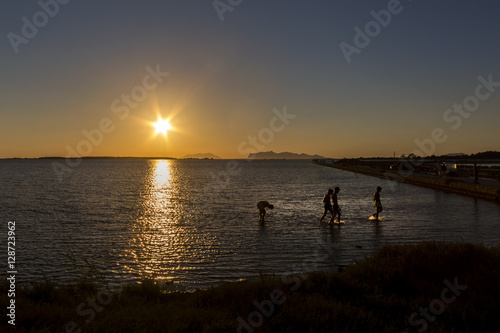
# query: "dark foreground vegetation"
[435,286]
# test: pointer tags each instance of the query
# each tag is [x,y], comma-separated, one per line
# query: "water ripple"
[168,220]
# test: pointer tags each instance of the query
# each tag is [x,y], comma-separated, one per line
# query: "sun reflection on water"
[169,240]
[162,176]
[157,232]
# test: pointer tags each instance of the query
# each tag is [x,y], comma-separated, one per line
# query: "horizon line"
[450,155]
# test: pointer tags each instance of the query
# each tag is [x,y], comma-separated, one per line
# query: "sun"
[162,126]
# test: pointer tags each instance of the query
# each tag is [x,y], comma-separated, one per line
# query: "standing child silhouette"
[377,203]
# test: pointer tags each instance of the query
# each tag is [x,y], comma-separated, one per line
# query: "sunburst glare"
[162,126]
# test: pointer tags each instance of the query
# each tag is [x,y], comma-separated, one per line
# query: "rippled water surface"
[196,222]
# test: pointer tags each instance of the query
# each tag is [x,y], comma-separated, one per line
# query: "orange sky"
[219,81]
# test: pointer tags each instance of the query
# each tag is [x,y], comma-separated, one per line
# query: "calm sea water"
[195,223]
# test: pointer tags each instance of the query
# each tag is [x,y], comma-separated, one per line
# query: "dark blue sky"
[226,77]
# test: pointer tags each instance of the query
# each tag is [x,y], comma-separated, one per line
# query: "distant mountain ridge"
[284,155]
[455,154]
[203,156]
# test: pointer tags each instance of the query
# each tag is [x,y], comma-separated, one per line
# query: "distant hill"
[455,154]
[203,156]
[271,155]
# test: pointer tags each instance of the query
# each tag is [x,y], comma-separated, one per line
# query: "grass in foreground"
[438,286]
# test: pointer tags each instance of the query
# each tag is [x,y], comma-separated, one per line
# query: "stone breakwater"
[488,191]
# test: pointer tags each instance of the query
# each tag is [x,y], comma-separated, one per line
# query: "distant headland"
[202,156]
[271,155]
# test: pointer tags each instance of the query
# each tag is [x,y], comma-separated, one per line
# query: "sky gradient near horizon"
[270,75]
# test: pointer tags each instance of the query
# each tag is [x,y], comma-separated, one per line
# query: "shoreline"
[457,185]
[382,293]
